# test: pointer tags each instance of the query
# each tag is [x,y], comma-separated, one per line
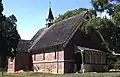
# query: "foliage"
[117,65]
[116,15]
[69,14]
[109,31]
[9,36]
[102,5]
[111,28]
[13,36]
[111,59]
[106,28]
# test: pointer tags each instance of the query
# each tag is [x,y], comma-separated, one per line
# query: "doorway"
[78,61]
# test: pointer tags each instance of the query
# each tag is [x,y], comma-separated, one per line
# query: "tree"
[68,14]
[107,29]
[102,5]
[116,15]
[112,7]
[9,37]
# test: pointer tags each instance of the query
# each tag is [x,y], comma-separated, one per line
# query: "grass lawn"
[31,74]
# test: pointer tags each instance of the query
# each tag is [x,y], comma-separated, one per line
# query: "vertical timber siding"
[95,62]
[22,62]
[69,58]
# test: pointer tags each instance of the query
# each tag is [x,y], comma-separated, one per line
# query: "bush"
[117,65]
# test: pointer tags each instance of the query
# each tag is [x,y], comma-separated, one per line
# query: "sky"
[31,14]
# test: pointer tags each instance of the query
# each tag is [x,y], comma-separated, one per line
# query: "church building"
[62,48]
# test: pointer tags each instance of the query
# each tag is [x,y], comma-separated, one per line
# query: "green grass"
[31,74]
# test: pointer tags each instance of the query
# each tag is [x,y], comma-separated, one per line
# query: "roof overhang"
[85,49]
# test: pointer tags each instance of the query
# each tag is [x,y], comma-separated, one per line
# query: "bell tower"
[50,18]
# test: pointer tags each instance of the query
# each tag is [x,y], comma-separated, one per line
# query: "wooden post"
[101,58]
[90,58]
[82,66]
[57,61]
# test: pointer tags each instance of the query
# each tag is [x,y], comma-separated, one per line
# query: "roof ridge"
[70,18]
[37,33]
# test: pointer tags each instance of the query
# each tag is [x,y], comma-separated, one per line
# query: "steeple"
[50,18]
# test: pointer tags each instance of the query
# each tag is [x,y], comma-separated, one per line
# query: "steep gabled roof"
[59,33]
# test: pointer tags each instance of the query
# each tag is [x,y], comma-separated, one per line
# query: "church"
[61,48]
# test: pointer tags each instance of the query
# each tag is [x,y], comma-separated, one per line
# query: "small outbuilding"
[23,60]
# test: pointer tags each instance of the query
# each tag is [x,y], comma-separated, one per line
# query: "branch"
[106,45]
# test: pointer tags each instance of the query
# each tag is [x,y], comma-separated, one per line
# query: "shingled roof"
[23,46]
[37,34]
[59,33]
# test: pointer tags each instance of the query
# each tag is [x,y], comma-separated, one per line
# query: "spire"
[50,15]
[50,18]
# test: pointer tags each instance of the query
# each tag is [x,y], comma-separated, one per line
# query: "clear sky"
[31,14]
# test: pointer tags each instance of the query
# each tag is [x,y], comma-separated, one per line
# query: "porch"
[90,60]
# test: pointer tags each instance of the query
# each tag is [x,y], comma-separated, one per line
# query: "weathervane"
[50,4]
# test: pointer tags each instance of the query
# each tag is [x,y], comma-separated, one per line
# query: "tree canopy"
[102,5]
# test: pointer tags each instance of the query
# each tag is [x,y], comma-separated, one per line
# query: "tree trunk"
[2,72]
[3,63]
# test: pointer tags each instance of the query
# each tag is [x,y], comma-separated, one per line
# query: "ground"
[31,74]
